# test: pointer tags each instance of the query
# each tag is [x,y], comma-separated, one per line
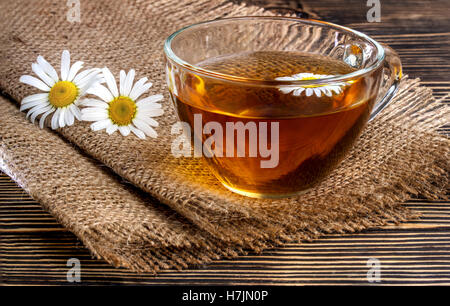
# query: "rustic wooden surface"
[34,249]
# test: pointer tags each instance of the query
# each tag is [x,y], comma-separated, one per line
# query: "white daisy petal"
[62,122]
[150,121]
[75,111]
[128,82]
[124,130]
[93,116]
[139,91]
[48,69]
[327,92]
[144,127]
[102,92]
[150,99]
[318,92]
[83,74]
[137,132]
[32,81]
[31,104]
[94,103]
[299,91]
[137,86]
[154,112]
[309,92]
[55,118]
[69,117]
[110,81]
[286,78]
[44,116]
[74,70]
[123,76]
[111,129]
[37,107]
[100,125]
[65,65]
[286,89]
[91,82]
[42,75]
[35,97]
[149,108]
[39,111]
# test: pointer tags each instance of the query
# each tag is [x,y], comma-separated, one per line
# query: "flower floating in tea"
[61,96]
[120,109]
[318,90]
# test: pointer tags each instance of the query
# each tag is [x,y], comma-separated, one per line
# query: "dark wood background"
[34,249]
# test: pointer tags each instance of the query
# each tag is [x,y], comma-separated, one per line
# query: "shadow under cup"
[273,104]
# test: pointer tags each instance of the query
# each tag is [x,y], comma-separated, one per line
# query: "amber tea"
[307,128]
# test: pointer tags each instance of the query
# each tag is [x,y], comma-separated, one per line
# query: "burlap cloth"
[180,214]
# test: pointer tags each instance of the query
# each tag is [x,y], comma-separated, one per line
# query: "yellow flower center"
[62,94]
[310,86]
[122,110]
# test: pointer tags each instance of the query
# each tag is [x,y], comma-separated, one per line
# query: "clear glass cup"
[268,136]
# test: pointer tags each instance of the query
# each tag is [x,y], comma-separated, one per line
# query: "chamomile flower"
[121,108]
[318,90]
[60,97]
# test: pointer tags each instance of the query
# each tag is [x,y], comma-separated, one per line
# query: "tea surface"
[315,130]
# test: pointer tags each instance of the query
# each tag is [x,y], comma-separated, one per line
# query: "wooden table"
[34,249]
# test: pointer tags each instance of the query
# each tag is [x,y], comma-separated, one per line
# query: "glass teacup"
[273,104]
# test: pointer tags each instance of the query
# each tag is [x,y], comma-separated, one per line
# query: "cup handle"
[393,71]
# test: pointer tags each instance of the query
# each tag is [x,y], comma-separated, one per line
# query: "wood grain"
[34,248]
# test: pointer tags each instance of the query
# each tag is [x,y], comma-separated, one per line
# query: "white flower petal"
[327,92]
[148,108]
[286,89]
[85,73]
[42,75]
[144,127]
[128,82]
[309,92]
[111,129]
[147,119]
[139,91]
[75,111]
[31,104]
[138,87]
[100,125]
[299,91]
[110,81]
[35,97]
[137,132]
[122,77]
[102,92]
[155,112]
[285,78]
[44,116]
[37,111]
[94,103]
[317,92]
[47,68]
[74,70]
[89,82]
[32,81]
[93,116]
[124,130]
[55,118]
[69,117]
[62,122]
[150,99]
[65,65]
